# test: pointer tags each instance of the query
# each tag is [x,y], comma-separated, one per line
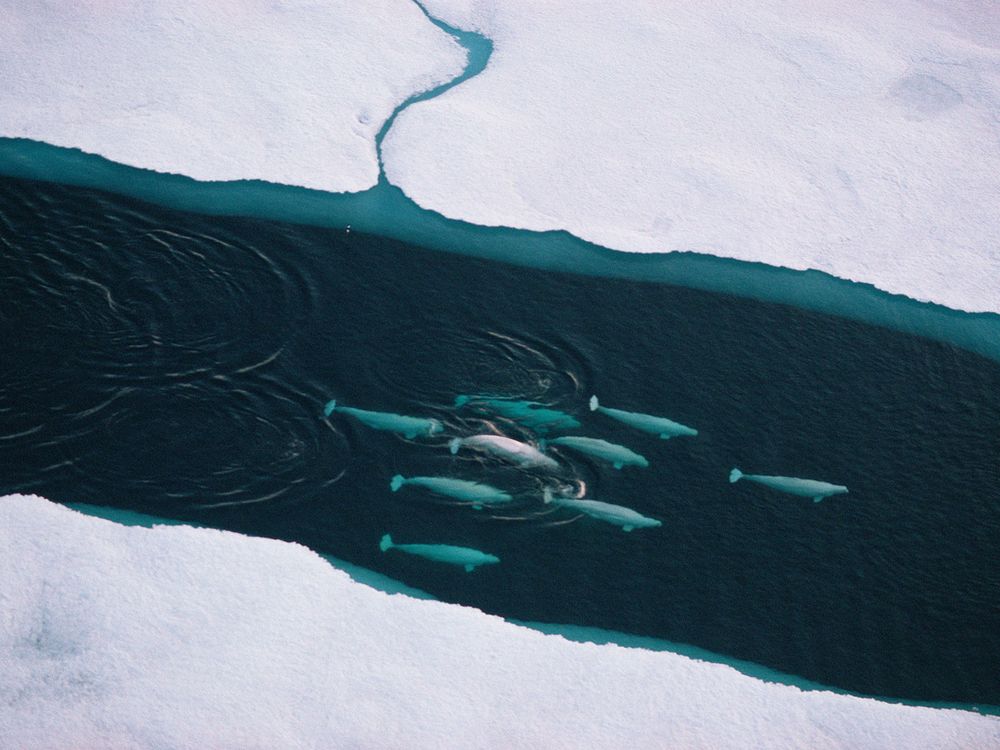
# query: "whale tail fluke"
[397,481]
[454,444]
[594,403]
[330,406]
[386,543]
[461,401]
[735,475]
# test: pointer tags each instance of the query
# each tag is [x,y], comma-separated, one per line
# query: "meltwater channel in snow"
[292,92]
[180,637]
[860,139]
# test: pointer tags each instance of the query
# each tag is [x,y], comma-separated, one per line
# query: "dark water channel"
[177,365]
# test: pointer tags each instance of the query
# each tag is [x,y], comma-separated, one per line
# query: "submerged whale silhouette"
[459,489]
[467,557]
[617,455]
[409,427]
[530,414]
[522,454]
[665,428]
[619,515]
[802,487]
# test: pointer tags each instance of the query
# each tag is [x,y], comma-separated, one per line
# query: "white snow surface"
[128,637]
[860,139]
[291,92]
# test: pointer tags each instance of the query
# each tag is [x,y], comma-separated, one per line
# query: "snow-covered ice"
[860,139]
[291,92]
[130,637]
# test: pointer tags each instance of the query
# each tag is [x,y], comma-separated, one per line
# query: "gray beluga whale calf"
[524,455]
[468,558]
[813,488]
[460,489]
[618,515]
[409,427]
[617,455]
[665,428]
[530,414]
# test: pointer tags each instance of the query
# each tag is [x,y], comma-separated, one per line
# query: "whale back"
[387,421]
[650,423]
[514,451]
[797,486]
[447,553]
[611,452]
[616,514]
[461,489]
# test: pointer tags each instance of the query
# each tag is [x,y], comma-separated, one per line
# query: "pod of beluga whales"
[541,420]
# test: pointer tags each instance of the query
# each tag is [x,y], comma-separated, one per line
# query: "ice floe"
[179,637]
[860,139]
[291,92]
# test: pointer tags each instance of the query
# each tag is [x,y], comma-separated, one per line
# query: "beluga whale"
[618,515]
[459,489]
[409,427]
[617,455]
[521,454]
[665,428]
[531,414]
[468,558]
[802,487]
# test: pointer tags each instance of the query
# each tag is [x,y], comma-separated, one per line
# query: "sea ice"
[291,92]
[860,139]
[173,636]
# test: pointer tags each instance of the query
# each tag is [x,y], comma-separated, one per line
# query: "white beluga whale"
[618,515]
[530,414]
[802,487]
[409,427]
[467,557]
[665,428]
[524,455]
[459,489]
[617,455]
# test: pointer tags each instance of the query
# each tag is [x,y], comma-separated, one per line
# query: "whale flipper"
[735,475]
[594,403]
[469,568]
[817,498]
[330,406]
[454,445]
[409,435]
[461,401]
[618,464]
[397,482]
[477,506]
[627,528]
[386,543]
[665,436]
